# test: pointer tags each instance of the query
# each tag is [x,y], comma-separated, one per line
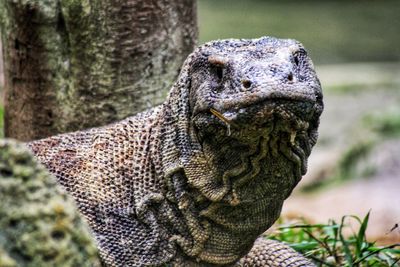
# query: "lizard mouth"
[257,119]
[285,123]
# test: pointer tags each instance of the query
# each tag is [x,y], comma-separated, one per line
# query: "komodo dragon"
[195,181]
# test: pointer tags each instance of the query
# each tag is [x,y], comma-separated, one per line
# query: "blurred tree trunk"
[73,64]
[1,71]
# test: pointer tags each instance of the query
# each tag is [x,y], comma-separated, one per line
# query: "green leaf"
[345,244]
[361,236]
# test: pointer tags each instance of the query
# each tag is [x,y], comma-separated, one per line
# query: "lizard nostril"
[246,84]
[290,76]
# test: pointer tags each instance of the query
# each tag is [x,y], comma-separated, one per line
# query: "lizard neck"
[221,232]
[242,198]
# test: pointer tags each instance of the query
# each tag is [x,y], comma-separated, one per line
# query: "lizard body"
[195,181]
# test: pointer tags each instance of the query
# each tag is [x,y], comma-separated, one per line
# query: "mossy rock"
[39,222]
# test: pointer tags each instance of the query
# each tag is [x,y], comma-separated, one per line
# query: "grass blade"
[346,248]
[375,252]
[361,236]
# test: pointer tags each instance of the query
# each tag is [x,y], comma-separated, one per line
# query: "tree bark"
[1,71]
[72,64]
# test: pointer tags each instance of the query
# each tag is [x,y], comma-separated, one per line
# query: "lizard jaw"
[252,121]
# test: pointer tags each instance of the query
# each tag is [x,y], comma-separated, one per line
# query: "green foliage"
[347,168]
[386,123]
[328,245]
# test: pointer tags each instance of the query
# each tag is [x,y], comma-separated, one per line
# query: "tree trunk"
[1,71]
[73,64]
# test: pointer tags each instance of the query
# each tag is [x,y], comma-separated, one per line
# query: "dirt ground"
[342,126]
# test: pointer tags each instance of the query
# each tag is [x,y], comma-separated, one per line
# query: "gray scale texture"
[195,181]
[39,222]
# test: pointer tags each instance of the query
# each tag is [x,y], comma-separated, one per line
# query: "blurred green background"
[333,31]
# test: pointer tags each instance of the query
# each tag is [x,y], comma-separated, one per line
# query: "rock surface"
[39,223]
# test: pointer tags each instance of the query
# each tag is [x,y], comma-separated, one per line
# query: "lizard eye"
[296,60]
[219,72]
[298,56]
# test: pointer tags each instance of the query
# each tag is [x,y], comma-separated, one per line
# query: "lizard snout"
[261,77]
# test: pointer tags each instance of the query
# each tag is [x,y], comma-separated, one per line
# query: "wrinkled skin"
[195,181]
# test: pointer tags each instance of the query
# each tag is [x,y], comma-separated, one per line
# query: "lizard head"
[252,111]
[241,88]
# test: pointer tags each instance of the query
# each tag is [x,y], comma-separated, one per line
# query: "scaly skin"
[195,181]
